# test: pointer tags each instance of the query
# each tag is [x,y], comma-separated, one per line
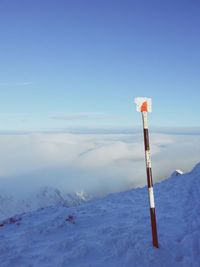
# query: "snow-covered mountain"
[113,231]
[45,197]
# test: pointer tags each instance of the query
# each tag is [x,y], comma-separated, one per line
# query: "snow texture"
[114,231]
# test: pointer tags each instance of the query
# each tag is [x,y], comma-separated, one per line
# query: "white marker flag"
[143,104]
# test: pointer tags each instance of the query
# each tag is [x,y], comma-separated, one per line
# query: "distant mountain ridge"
[47,196]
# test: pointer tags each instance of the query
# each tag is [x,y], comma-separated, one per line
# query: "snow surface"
[114,231]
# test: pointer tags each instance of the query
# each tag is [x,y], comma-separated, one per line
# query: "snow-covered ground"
[114,231]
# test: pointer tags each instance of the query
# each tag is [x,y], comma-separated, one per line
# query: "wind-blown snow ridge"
[114,231]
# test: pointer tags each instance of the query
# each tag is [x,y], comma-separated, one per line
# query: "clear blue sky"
[81,63]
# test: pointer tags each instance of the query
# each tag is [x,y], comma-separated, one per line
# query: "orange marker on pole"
[143,105]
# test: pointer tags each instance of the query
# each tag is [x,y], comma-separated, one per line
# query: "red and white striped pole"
[144,106]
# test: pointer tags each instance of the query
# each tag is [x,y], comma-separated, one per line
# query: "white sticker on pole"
[148,158]
[143,104]
[151,197]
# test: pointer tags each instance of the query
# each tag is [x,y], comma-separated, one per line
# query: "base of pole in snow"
[154,227]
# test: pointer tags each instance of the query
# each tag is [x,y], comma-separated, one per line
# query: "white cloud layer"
[95,163]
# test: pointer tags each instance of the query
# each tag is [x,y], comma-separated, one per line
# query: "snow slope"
[114,231]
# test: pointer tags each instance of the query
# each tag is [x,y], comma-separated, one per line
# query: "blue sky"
[81,63]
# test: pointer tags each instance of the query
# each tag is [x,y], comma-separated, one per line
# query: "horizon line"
[178,130]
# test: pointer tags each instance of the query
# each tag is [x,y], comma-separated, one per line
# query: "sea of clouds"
[94,163]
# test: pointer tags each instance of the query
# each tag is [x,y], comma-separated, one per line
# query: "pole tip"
[143,104]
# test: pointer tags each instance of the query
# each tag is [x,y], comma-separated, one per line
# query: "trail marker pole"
[143,105]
